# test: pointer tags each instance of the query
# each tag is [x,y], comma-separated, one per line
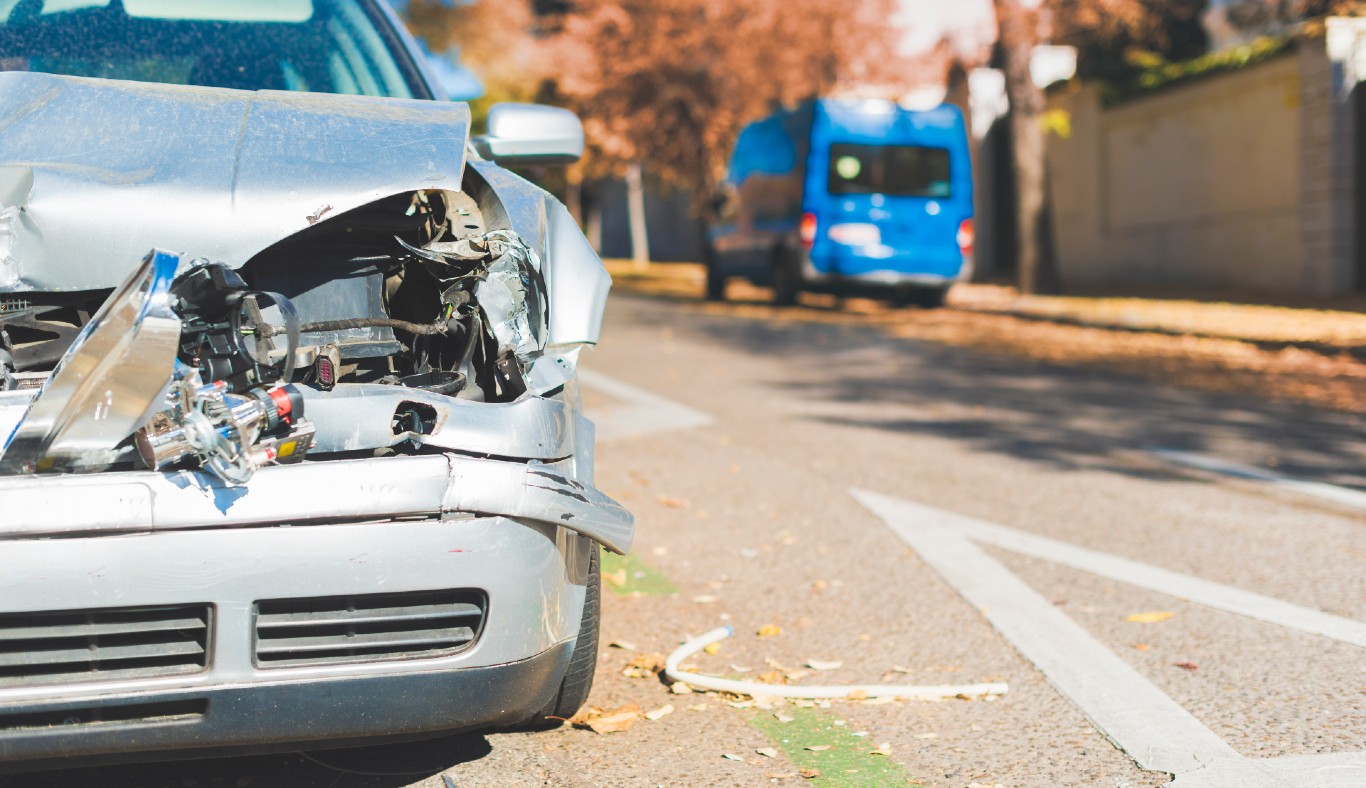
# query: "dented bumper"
[437,487]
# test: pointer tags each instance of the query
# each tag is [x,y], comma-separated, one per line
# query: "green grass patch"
[847,762]
[627,575]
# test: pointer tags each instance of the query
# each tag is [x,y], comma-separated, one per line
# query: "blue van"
[847,196]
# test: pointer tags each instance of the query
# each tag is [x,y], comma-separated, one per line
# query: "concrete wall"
[1199,186]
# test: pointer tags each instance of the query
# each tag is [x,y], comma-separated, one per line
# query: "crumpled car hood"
[93,173]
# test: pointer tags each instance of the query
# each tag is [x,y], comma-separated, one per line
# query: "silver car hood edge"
[94,172]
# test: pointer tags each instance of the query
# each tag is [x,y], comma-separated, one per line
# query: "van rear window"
[893,170]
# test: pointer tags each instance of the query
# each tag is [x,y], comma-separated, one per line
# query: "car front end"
[318,475]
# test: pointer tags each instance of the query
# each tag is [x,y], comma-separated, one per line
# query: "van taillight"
[967,237]
[808,229]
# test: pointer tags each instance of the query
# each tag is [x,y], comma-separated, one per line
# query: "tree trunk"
[635,206]
[1019,34]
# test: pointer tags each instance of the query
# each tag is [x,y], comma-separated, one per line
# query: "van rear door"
[891,192]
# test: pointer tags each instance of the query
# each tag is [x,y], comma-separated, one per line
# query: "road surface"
[1169,582]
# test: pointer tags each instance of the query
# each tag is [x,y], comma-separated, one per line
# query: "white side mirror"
[531,134]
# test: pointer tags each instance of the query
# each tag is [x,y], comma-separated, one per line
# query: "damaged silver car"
[293,450]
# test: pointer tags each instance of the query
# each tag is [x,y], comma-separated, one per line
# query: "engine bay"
[397,310]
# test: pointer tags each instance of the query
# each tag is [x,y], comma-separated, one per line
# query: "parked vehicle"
[848,196]
[319,473]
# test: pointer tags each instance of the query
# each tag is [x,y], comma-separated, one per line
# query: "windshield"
[892,170]
[324,46]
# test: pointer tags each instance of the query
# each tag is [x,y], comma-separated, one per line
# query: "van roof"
[887,121]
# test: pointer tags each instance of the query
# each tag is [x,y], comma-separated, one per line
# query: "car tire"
[786,278]
[716,281]
[583,662]
[922,297]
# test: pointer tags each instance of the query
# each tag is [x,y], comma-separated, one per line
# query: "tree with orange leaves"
[671,82]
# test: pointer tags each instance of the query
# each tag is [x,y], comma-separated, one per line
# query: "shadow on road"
[1023,408]
[387,766]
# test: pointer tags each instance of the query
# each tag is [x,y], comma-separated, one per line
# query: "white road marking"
[1328,492]
[1163,581]
[644,412]
[1156,732]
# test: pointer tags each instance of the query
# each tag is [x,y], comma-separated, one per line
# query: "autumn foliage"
[671,82]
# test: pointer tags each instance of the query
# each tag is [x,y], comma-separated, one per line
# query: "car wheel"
[923,297]
[578,679]
[786,278]
[716,281]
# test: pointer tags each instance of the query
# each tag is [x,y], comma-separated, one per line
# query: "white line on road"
[644,412]
[1156,732]
[1163,581]
[1328,492]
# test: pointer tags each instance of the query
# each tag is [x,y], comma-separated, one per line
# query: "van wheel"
[716,281]
[787,279]
[583,662]
[923,297]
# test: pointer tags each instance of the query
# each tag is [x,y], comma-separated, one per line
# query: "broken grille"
[76,646]
[332,630]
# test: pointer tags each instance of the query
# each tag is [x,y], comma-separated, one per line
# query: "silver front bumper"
[384,488]
[533,575]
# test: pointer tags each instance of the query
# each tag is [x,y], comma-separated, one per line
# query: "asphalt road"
[926,515]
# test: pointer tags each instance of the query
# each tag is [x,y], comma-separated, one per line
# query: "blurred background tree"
[497,39]
[670,83]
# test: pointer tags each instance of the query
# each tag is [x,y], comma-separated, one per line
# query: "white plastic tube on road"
[858,691]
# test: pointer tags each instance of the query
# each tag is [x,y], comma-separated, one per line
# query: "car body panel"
[207,172]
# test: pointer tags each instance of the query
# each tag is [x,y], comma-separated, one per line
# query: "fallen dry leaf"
[679,688]
[659,713]
[1187,665]
[643,666]
[1142,647]
[780,717]
[772,677]
[767,752]
[857,694]
[740,669]
[818,747]
[699,707]
[617,578]
[713,648]
[769,631]
[674,503]
[601,721]
[1151,617]
[705,599]
[819,585]
[624,645]
[810,774]
[882,749]
[731,756]
[816,664]
[766,702]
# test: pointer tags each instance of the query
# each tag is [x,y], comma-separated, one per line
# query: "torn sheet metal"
[368,416]
[577,284]
[220,174]
[385,488]
[108,384]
